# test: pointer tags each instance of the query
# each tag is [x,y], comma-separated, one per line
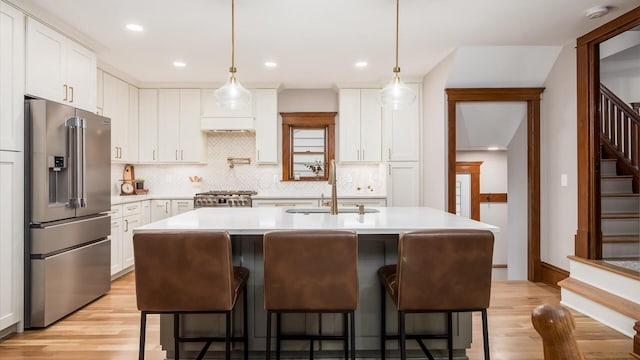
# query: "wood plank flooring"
[108,329]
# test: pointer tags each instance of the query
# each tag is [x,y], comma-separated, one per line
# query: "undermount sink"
[326,210]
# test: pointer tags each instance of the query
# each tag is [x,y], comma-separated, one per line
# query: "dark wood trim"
[310,120]
[493,197]
[532,97]
[611,29]
[473,168]
[533,189]
[588,238]
[551,274]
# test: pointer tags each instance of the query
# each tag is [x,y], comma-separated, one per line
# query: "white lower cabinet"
[124,219]
[145,212]
[160,209]
[181,206]
[403,184]
[11,238]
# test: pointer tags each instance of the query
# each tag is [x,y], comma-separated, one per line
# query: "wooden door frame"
[532,98]
[588,238]
[472,168]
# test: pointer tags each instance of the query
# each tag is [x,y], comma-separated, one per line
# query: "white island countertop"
[258,220]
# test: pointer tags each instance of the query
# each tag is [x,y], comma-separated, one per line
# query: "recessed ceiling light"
[493,148]
[135,27]
[179,64]
[362,64]
[270,64]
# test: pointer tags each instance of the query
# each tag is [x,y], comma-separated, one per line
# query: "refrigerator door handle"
[75,133]
[83,130]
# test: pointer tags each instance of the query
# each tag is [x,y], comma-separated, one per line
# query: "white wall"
[518,204]
[559,205]
[434,135]
[493,179]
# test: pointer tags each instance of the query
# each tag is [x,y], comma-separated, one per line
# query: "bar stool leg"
[383,326]
[450,334]
[268,354]
[227,336]
[403,350]
[143,329]
[353,335]
[278,333]
[176,336]
[485,334]
[345,331]
[245,324]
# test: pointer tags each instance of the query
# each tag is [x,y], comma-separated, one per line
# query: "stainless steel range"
[220,198]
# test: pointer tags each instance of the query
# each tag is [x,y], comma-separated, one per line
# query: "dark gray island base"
[374,251]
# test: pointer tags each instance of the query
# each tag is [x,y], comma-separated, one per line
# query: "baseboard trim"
[552,274]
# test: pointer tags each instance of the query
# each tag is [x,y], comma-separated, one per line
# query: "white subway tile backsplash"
[170,179]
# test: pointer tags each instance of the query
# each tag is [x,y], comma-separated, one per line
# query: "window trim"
[306,120]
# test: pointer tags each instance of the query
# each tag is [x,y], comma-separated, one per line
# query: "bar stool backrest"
[310,270]
[183,270]
[444,269]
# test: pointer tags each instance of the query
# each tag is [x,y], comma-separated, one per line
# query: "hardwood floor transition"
[108,329]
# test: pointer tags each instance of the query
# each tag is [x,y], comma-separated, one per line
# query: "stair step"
[621,216]
[621,250]
[621,239]
[620,224]
[620,184]
[608,167]
[620,203]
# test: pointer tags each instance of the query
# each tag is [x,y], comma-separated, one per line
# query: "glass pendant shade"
[232,95]
[397,95]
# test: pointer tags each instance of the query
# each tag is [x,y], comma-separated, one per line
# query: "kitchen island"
[377,246]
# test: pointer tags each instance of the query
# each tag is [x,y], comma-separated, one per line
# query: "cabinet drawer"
[116,211]
[131,208]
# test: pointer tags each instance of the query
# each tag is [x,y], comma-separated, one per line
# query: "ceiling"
[315,42]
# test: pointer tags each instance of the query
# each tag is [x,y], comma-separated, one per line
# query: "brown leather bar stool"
[183,272]
[438,271]
[311,271]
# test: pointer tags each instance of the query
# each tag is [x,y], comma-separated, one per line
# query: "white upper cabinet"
[266,125]
[210,107]
[11,78]
[360,126]
[148,138]
[58,68]
[178,126]
[116,105]
[403,130]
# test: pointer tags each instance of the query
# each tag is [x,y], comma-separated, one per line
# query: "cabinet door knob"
[176,154]
[65,92]
[154,154]
[181,154]
[126,225]
[71,88]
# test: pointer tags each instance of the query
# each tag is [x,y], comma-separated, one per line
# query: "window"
[307,145]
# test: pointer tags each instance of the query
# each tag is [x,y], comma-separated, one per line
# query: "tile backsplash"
[265,179]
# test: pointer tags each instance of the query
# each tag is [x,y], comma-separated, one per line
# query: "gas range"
[223,198]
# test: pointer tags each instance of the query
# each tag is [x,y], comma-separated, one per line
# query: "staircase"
[619,178]
[620,213]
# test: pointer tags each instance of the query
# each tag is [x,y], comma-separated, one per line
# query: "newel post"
[555,325]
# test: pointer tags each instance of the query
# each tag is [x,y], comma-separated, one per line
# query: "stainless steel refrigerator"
[67,198]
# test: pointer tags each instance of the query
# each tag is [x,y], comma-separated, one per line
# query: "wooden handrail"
[620,129]
[555,325]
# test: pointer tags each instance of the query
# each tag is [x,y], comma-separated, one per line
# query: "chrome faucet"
[332,182]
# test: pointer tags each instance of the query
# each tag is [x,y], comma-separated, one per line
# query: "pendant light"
[232,95]
[397,95]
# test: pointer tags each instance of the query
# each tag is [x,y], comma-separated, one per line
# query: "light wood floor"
[108,329]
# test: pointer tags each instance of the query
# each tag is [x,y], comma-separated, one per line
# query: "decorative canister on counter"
[139,182]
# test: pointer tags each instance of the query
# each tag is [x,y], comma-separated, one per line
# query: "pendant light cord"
[396,69]
[233,38]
